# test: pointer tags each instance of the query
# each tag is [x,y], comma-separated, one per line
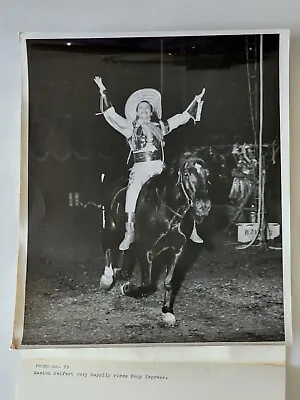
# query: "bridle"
[190,202]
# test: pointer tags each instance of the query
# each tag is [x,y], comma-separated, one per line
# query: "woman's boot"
[129,234]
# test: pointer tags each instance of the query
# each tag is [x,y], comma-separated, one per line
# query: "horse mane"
[187,155]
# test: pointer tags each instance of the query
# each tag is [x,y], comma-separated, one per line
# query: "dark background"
[63,100]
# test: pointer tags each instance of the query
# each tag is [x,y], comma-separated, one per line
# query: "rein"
[189,200]
[177,213]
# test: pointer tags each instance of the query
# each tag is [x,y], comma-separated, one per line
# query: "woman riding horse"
[144,131]
[169,206]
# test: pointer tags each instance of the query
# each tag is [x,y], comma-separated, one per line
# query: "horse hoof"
[106,282]
[169,319]
[124,288]
[107,278]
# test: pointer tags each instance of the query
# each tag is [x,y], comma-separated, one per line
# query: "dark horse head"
[193,182]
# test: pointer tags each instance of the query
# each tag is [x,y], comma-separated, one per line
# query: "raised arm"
[176,120]
[193,111]
[119,123]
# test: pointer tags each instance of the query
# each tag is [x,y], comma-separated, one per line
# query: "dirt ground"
[230,295]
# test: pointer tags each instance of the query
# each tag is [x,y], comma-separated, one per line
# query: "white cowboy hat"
[150,95]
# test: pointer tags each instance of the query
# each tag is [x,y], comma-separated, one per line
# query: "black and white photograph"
[155,190]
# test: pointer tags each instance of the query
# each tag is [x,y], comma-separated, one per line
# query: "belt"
[146,156]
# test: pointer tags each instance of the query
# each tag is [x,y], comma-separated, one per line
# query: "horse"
[170,206]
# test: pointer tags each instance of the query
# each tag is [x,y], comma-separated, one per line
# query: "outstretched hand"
[99,83]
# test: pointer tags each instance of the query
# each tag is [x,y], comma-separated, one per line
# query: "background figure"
[244,178]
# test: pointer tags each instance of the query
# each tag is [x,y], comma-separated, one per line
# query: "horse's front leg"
[182,263]
[167,309]
[125,266]
[147,286]
[119,266]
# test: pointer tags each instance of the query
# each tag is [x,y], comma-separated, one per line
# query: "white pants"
[140,173]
